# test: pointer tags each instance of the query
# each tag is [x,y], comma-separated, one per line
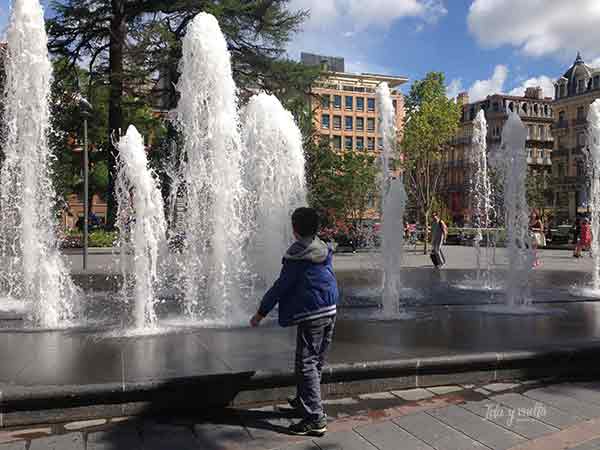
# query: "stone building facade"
[574,92]
[536,112]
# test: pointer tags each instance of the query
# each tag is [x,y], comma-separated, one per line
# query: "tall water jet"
[393,199]
[142,226]
[481,194]
[212,262]
[31,267]
[275,179]
[594,149]
[518,242]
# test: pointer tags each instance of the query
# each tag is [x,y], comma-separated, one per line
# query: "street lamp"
[86,110]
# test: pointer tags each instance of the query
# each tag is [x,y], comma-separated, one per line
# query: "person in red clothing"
[585,238]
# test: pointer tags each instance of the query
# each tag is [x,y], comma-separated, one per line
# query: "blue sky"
[483,46]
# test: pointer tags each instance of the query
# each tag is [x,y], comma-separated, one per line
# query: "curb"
[27,405]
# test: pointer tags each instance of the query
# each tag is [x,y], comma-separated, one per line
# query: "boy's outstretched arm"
[281,287]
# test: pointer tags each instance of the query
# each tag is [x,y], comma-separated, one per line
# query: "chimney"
[462,99]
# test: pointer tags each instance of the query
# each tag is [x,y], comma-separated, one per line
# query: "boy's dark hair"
[305,222]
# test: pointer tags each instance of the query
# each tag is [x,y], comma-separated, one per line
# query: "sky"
[482,46]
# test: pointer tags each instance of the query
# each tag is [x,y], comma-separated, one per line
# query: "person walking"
[439,233]
[584,243]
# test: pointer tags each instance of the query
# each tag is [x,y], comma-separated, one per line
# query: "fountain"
[481,200]
[274,177]
[31,267]
[212,264]
[393,198]
[518,242]
[594,149]
[142,226]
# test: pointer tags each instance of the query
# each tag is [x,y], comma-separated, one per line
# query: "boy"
[307,293]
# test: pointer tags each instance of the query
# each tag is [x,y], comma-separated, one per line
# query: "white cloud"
[545,82]
[454,88]
[494,85]
[363,26]
[353,13]
[538,27]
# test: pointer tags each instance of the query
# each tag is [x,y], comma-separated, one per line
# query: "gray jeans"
[312,342]
[437,249]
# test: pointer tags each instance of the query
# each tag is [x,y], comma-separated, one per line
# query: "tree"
[66,132]
[431,121]
[127,42]
[538,191]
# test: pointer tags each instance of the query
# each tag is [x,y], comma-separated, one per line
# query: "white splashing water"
[275,179]
[518,242]
[594,146]
[212,264]
[30,268]
[393,198]
[481,196]
[142,226]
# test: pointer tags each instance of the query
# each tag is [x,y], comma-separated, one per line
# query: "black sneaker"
[294,403]
[309,427]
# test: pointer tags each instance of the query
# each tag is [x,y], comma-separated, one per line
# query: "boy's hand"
[255,320]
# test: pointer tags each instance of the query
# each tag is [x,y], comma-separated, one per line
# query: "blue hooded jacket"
[306,288]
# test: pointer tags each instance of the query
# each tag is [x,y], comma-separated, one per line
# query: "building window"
[337,101]
[370,104]
[561,116]
[562,90]
[379,143]
[529,132]
[580,113]
[348,125]
[337,122]
[325,100]
[337,142]
[542,133]
[360,143]
[371,125]
[349,103]
[581,139]
[545,110]
[580,86]
[371,143]
[596,81]
[495,107]
[325,121]
[348,142]
[395,104]
[360,124]
[511,106]
[360,103]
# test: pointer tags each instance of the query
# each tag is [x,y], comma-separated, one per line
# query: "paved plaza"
[538,414]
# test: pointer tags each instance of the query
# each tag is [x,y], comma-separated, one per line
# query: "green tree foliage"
[128,43]
[340,184]
[431,121]
[538,191]
[66,135]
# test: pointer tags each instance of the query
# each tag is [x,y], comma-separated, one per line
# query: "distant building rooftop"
[327,63]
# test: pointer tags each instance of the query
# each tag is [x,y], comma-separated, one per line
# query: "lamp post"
[86,109]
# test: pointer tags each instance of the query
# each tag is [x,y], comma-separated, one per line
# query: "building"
[327,63]
[344,109]
[574,92]
[535,111]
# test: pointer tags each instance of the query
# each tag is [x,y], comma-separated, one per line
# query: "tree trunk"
[426,233]
[118,31]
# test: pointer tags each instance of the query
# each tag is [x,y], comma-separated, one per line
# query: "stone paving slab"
[551,415]
[437,434]
[71,441]
[413,394]
[594,444]
[573,436]
[344,441]
[509,418]
[123,438]
[570,405]
[477,428]
[389,436]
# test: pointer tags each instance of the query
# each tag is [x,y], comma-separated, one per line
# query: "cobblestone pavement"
[525,416]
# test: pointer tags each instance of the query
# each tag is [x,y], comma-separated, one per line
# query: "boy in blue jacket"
[307,293]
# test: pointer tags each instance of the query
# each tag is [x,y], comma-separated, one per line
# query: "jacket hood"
[308,249]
